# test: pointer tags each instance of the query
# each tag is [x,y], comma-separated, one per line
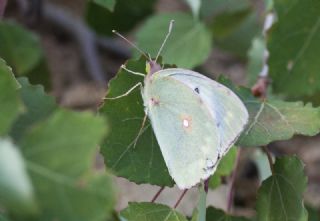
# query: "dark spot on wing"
[210,164]
[218,124]
[197,90]
[154,101]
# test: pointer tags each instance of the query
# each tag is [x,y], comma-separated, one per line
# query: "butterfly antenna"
[130,43]
[165,40]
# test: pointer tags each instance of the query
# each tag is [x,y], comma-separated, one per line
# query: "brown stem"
[232,181]
[260,87]
[206,185]
[157,194]
[3,4]
[180,198]
[85,37]
[269,159]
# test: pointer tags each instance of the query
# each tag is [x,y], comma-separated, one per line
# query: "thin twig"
[232,181]
[157,194]
[113,47]
[206,185]
[180,198]
[269,158]
[86,38]
[33,12]
[23,6]
[3,4]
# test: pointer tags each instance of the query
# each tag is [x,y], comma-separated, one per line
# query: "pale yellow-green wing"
[225,106]
[186,130]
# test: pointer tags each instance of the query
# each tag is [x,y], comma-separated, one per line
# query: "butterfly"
[195,119]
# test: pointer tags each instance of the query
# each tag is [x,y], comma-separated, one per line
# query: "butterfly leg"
[141,129]
[125,94]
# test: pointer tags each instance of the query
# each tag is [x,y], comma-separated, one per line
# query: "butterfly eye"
[197,90]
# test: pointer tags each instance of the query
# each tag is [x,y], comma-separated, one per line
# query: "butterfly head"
[152,67]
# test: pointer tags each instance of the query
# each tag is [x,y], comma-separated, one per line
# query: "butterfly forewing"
[186,131]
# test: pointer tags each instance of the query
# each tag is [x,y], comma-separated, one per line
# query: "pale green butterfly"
[195,119]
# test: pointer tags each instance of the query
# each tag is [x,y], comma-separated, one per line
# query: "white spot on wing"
[186,123]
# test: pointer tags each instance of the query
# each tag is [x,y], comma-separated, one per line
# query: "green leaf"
[224,24]
[226,164]
[238,37]
[195,215]
[80,130]
[279,120]
[232,22]
[211,8]
[60,153]
[262,163]
[9,100]
[40,74]
[313,214]
[38,106]
[114,217]
[281,196]
[19,47]
[225,167]
[108,4]
[214,181]
[268,5]
[144,162]
[2,218]
[195,6]
[150,212]
[217,214]
[16,191]
[294,48]
[272,119]
[304,216]
[126,14]
[188,37]
[255,59]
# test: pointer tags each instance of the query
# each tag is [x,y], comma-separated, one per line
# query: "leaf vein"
[255,118]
